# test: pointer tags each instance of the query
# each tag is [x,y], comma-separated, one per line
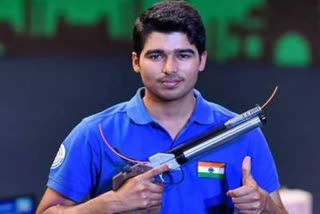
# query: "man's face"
[169,66]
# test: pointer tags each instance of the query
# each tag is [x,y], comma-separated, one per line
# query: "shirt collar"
[203,113]
[137,111]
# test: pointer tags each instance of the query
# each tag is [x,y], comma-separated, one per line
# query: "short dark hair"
[166,17]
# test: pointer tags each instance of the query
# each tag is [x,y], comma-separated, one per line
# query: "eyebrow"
[187,50]
[160,51]
[153,51]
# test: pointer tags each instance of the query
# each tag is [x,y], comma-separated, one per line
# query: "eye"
[183,56]
[155,56]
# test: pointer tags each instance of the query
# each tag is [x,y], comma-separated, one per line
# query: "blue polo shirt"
[84,165]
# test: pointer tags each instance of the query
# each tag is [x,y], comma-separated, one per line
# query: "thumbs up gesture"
[249,198]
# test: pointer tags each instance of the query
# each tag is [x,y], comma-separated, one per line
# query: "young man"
[169,53]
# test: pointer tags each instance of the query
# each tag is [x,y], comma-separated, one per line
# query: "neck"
[172,115]
[168,109]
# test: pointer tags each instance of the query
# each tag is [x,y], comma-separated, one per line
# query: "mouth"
[170,83]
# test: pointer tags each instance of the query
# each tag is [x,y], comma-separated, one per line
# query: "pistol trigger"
[161,177]
[158,178]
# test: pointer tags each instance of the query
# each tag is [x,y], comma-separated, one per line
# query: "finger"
[152,199]
[150,203]
[154,196]
[245,211]
[155,208]
[241,191]
[155,188]
[155,171]
[246,207]
[246,169]
[243,200]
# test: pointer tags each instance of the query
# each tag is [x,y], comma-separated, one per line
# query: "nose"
[170,65]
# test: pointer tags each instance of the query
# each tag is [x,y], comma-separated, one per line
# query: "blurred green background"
[246,30]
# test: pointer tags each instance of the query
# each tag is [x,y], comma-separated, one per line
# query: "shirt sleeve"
[71,173]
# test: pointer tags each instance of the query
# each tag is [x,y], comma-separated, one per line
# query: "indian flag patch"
[211,169]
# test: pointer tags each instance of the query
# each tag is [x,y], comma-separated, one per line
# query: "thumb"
[246,171]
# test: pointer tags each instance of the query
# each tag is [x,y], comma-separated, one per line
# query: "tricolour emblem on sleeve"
[211,169]
[58,160]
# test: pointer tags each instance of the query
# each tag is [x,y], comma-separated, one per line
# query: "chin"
[171,96]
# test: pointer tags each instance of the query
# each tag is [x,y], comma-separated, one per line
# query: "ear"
[203,60]
[135,62]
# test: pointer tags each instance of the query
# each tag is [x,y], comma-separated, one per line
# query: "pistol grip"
[121,177]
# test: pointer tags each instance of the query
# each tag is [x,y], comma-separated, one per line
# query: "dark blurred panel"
[42,99]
